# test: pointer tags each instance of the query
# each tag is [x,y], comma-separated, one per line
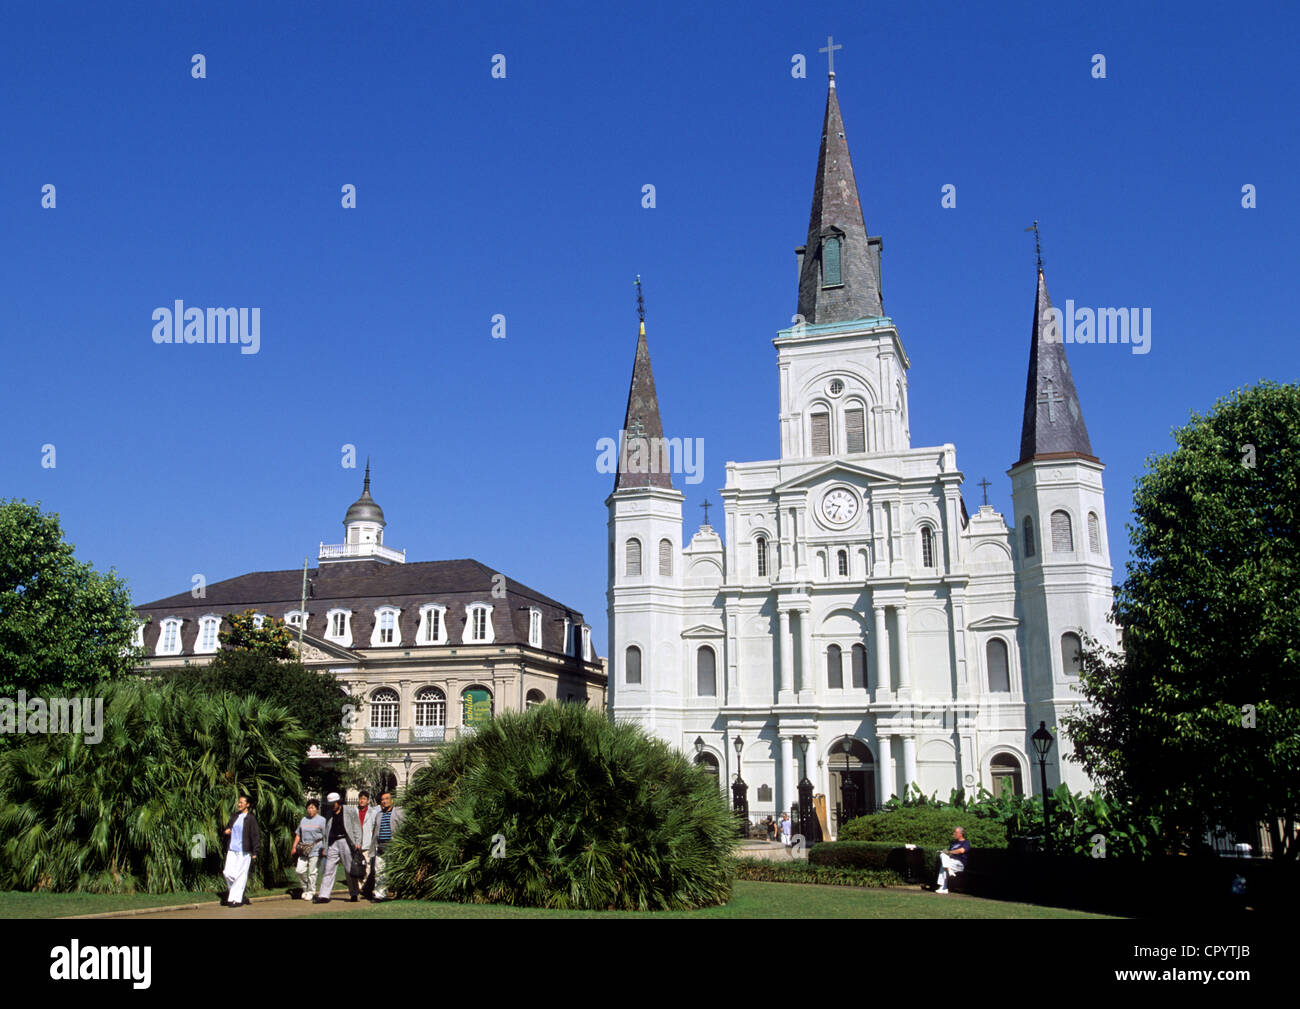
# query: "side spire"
[1053,426]
[642,456]
[839,267]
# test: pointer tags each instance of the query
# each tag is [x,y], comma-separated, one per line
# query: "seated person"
[953,860]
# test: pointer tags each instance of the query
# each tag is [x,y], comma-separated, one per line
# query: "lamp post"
[805,792]
[699,748]
[406,762]
[1042,740]
[848,787]
[739,804]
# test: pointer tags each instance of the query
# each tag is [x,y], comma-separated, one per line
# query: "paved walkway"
[261,907]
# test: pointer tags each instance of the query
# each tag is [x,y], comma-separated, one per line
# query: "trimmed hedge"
[766,871]
[926,827]
[858,855]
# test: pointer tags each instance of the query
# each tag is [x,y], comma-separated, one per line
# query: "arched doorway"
[852,780]
[1004,769]
[709,762]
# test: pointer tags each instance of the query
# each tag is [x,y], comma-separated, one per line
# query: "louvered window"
[1094,533]
[665,557]
[854,427]
[633,557]
[834,667]
[1062,535]
[821,434]
[830,262]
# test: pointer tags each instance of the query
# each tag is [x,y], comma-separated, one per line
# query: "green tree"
[559,807]
[65,628]
[272,638]
[1197,720]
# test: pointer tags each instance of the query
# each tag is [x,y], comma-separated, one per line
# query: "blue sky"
[521,196]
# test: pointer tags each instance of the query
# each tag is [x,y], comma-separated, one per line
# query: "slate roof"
[361,586]
[642,421]
[837,209]
[1053,424]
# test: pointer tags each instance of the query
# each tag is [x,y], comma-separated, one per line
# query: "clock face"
[840,506]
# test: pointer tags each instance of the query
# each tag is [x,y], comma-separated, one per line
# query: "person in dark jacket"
[242,842]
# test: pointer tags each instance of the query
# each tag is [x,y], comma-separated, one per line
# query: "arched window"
[430,714]
[706,676]
[534,698]
[633,558]
[1094,533]
[842,563]
[169,638]
[830,261]
[855,429]
[1062,534]
[999,671]
[383,709]
[710,764]
[821,433]
[478,623]
[834,668]
[859,667]
[927,547]
[760,551]
[1070,660]
[665,557]
[632,665]
[1005,771]
[1029,536]
[207,634]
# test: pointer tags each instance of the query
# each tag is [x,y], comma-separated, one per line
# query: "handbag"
[357,867]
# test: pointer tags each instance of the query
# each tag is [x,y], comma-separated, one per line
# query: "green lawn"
[762,900]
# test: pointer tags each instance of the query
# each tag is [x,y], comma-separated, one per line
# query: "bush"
[761,870]
[559,807]
[858,855]
[925,826]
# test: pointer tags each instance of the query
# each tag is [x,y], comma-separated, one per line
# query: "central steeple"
[839,268]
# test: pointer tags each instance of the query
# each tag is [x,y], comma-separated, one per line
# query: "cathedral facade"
[854,623]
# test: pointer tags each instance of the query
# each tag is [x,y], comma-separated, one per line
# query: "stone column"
[789,793]
[885,768]
[808,680]
[882,654]
[909,761]
[904,674]
[787,656]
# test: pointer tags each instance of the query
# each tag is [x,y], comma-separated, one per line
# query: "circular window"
[836,387]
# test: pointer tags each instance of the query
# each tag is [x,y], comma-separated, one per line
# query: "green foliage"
[314,698]
[1211,616]
[927,826]
[858,854]
[272,638]
[65,628]
[767,871]
[590,815]
[143,809]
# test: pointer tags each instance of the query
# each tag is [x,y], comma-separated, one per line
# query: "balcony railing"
[346,551]
[418,735]
[429,734]
[386,735]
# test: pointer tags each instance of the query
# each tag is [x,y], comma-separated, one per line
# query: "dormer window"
[295,618]
[386,632]
[338,627]
[207,643]
[258,620]
[169,637]
[137,640]
[478,624]
[831,261]
[433,627]
[586,643]
[535,628]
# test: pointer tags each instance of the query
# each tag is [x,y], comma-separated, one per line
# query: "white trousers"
[308,870]
[948,866]
[339,852]
[381,884]
[236,873]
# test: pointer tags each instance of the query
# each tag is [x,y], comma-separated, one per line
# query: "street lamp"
[699,748]
[848,787]
[805,791]
[1042,740]
[739,804]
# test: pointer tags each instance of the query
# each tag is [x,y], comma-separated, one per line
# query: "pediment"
[702,631]
[833,470]
[316,650]
[993,623]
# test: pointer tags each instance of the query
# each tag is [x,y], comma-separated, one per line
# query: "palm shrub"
[560,807]
[143,808]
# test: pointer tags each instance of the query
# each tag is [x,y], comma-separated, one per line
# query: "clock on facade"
[840,506]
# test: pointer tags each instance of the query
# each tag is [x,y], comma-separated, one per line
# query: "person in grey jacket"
[387,820]
[309,849]
[342,845]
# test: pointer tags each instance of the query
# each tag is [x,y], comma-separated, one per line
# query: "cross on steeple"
[829,50]
[1051,397]
[1038,249]
[640,301]
[706,506]
[986,485]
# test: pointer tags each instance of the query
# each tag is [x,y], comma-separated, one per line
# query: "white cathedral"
[856,625]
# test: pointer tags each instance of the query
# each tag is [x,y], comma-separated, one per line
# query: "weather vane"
[640,301]
[1038,249]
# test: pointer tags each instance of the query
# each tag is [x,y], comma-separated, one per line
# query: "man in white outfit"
[953,860]
[243,840]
